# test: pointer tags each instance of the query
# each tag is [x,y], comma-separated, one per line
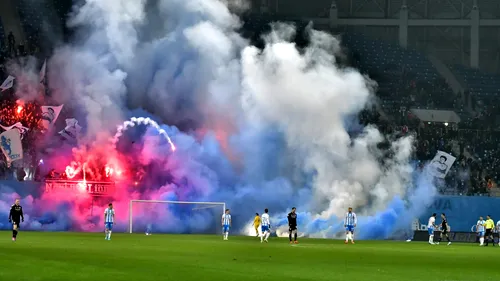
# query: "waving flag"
[50,114]
[8,83]
[17,126]
[10,142]
[72,130]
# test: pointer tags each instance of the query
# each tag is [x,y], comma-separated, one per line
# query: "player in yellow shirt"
[489,225]
[256,223]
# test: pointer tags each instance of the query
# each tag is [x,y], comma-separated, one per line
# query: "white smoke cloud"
[308,97]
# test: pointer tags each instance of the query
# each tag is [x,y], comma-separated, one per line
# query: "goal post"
[197,206]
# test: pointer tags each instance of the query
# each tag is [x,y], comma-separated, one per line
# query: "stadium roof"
[432,115]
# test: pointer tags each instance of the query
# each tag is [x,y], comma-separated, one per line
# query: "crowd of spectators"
[474,141]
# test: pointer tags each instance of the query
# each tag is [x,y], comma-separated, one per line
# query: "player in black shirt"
[445,228]
[292,226]
[16,216]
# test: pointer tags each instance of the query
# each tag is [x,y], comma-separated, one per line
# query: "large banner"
[441,164]
[11,145]
[91,187]
[50,114]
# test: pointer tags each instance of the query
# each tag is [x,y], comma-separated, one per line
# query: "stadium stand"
[399,71]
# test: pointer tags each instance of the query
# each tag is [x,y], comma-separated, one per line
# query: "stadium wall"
[462,211]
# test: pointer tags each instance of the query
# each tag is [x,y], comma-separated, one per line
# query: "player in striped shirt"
[265,225]
[226,224]
[350,222]
[431,225]
[109,219]
[480,230]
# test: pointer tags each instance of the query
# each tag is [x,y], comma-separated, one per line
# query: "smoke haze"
[255,128]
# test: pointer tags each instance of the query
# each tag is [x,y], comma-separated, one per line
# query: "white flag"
[42,71]
[8,83]
[72,130]
[18,126]
[10,142]
[50,114]
[441,164]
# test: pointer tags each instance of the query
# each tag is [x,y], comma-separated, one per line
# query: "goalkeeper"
[292,226]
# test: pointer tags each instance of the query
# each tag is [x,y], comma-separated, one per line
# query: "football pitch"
[87,256]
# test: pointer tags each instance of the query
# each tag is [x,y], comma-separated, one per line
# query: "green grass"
[87,256]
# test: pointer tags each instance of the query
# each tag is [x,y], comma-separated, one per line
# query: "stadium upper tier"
[480,84]
[406,78]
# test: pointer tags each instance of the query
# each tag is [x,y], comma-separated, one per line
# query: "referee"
[489,225]
[16,216]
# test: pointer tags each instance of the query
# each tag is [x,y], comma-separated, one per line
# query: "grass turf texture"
[87,256]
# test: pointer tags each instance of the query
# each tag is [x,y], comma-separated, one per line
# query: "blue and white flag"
[10,142]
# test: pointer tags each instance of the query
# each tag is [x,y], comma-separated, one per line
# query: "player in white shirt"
[480,230]
[265,225]
[109,219]
[431,225]
[350,222]
[226,224]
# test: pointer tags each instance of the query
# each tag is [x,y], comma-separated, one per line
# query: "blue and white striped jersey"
[226,219]
[480,225]
[264,220]
[350,219]
[109,215]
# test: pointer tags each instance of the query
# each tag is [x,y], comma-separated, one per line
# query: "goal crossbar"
[130,218]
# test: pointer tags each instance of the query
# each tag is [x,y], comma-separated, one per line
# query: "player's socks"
[14,233]
[267,235]
[290,236]
[481,241]
[109,235]
[347,237]
[295,237]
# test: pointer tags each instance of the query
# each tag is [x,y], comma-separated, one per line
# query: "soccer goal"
[157,216]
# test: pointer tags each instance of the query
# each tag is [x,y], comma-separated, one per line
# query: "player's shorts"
[265,228]
[109,225]
[488,232]
[225,228]
[16,223]
[444,231]
[349,228]
[430,230]
[481,233]
[292,228]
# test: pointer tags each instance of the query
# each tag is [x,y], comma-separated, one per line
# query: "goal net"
[155,216]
